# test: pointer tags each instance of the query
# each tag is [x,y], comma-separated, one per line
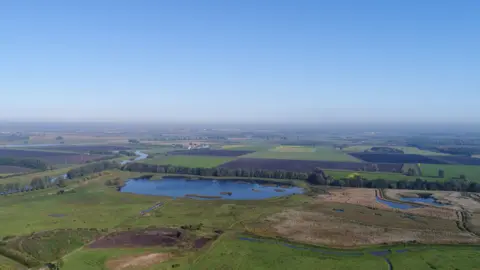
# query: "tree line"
[35,164]
[92,168]
[316,177]
[35,184]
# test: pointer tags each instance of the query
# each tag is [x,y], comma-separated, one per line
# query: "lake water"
[396,205]
[178,187]
[430,200]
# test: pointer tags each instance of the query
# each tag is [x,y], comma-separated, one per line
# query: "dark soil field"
[305,165]
[49,157]
[71,159]
[210,152]
[86,148]
[140,238]
[13,169]
[397,158]
[459,160]
[200,242]
[13,153]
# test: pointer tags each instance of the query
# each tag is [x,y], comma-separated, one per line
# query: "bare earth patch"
[366,197]
[320,228]
[137,261]
[357,196]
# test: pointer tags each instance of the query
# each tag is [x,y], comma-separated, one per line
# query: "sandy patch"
[357,196]
[137,261]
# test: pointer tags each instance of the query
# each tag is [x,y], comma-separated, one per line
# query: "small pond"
[206,189]
[430,200]
[396,205]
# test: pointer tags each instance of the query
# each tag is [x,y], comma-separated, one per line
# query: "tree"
[61,183]
[441,173]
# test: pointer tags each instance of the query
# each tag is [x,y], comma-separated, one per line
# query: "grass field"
[8,264]
[438,257]
[293,149]
[93,205]
[304,153]
[415,167]
[337,174]
[26,178]
[189,161]
[452,171]
[247,147]
[231,253]
[405,149]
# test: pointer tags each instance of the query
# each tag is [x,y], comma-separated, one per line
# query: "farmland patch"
[293,148]
[13,153]
[304,153]
[396,158]
[305,165]
[4,169]
[461,160]
[190,161]
[405,149]
[86,148]
[49,157]
[472,173]
[210,152]
[71,159]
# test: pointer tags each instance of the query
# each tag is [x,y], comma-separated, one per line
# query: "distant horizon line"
[233,122]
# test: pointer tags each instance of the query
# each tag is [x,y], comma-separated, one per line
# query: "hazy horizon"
[240,62]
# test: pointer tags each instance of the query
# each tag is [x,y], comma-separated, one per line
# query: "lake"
[396,205]
[179,187]
[429,200]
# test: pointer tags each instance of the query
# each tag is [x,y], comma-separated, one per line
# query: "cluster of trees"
[317,177]
[134,141]
[384,149]
[411,172]
[115,182]
[218,172]
[127,153]
[460,184]
[92,168]
[35,164]
[36,184]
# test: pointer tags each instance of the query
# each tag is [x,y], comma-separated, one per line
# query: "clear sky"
[245,60]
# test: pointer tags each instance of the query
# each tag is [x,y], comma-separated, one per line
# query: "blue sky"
[246,61]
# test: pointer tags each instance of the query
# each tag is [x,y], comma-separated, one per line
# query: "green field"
[189,161]
[452,171]
[26,178]
[9,264]
[231,253]
[304,153]
[405,149]
[31,223]
[439,257]
[337,174]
